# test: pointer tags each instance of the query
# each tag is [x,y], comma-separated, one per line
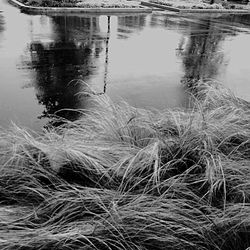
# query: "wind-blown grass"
[125,178]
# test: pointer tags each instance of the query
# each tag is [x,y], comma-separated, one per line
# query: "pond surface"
[146,60]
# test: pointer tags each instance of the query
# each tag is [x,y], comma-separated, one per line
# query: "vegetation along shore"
[82,3]
[182,4]
[127,178]
[202,4]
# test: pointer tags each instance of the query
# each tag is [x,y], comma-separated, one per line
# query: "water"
[146,60]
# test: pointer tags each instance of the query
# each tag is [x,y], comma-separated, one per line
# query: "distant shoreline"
[165,5]
[49,10]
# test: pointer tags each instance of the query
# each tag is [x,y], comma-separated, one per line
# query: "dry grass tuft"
[125,178]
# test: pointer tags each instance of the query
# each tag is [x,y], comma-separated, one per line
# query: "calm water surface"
[147,60]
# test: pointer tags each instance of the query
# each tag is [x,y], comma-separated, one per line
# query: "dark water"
[147,60]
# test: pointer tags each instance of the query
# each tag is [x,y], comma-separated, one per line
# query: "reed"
[127,178]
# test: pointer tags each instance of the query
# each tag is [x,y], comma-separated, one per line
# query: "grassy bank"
[124,178]
[82,3]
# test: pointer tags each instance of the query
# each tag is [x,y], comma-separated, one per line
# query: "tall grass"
[125,178]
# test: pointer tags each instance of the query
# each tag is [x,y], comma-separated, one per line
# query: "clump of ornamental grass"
[127,178]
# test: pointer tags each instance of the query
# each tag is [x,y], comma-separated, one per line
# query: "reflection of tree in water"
[201,54]
[236,20]
[59,65]
[1,23]
[171,21]
[130,24]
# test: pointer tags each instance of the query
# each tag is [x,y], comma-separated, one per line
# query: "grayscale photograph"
[124,125]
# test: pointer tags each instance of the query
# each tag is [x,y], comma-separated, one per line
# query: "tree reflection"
[1,23]
[130,24]
[202,58]
[236,20]
[171,21]
[56,65]
[63,66]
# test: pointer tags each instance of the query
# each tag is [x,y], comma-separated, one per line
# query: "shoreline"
[52,10]
[179,10]
[146,7]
